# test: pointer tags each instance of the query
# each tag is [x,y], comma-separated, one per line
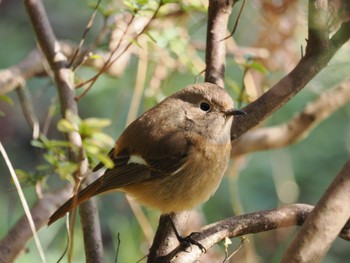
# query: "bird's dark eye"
[205,106]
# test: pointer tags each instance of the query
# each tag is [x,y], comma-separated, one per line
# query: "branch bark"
[215,57]
[165,244]
[324,223]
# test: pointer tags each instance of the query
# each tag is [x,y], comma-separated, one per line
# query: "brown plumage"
[172,157]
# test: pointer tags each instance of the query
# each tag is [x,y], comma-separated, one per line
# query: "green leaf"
[58,144]
[51,159]
[95,56]
[6,99]
[105,160]
[151,37]
[65,126]
[43,167]
[96,123]
[72,118]
[44,140]
[91,148]
[37,143]
[65,169]
[135,42]
[90,126]
[258,67]
[21,174]
[102,139]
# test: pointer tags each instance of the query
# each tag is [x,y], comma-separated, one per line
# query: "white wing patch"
[178,170]
[137,159]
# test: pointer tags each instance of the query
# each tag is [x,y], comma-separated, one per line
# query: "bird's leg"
[187,240]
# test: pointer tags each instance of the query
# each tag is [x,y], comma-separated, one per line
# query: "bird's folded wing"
[130,173]
[120,176]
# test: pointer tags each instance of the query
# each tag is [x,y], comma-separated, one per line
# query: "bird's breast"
[192,184]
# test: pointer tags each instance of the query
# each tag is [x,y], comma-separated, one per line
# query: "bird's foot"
[189,240]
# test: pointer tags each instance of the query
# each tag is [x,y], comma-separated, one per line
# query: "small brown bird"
[173,157]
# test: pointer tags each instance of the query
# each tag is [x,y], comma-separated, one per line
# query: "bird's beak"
[235,112]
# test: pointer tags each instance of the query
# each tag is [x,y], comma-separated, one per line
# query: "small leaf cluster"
[95,144]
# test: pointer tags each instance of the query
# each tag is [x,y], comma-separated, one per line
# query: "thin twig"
[106,65]
[28,110]
[68,241]
[86,31]
[118,247]
[237,20]
[197,76]
[24,203]
[111,61]
[228,257]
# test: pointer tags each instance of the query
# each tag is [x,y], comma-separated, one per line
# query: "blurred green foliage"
[314,161]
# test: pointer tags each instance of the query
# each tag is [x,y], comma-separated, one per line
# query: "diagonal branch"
[298,127]
[309,66]
[324,223]
[15,240]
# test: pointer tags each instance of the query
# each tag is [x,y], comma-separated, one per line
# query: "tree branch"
[15,240]
[215,57]
[309,66]
[165,243]
[295,129]
[64,80]
[33,65]
[256,222]
[218,15]
[324,223]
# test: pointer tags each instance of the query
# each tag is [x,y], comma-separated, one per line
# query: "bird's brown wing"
[112,179]
[123,174]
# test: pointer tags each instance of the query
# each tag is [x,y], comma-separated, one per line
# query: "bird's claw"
[189,240]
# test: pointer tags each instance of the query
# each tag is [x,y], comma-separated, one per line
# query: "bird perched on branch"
[172,157]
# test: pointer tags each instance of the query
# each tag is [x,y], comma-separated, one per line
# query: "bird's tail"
[75,201]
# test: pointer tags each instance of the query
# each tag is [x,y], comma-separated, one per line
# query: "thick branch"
[318,21]
[215,57]
[165,240]
[295,129]
[324,223]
